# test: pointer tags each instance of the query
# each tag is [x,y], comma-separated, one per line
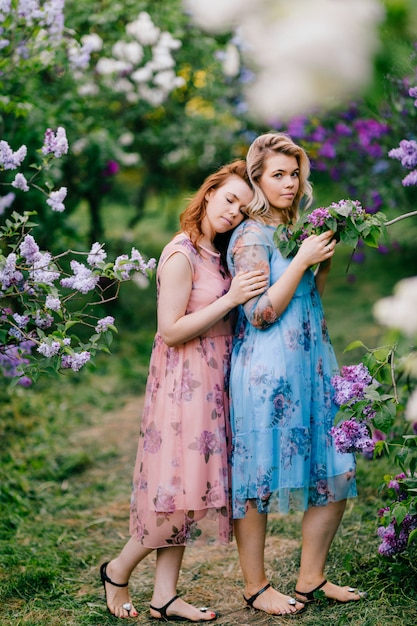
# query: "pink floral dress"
[181,481]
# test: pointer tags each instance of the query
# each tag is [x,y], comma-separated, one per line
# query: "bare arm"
[314,249]
[174,325]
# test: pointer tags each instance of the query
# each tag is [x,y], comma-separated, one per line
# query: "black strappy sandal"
[291,601]
[178,618]
[105,579]
[310,597]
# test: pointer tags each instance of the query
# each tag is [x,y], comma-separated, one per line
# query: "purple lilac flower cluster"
[55,143]
[395,534]
[352,436]
[349,386]
[406,153]
[317,218]
[351,383]
[347,219]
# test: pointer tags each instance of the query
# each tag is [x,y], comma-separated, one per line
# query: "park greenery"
[111,113]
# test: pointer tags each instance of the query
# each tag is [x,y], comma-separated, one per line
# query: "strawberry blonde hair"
[260,150]
[191,218]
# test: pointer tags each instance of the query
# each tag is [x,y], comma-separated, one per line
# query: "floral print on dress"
[181,487]
[281,407]
[152,439]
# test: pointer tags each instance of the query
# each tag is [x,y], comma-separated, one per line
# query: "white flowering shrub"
[305,54]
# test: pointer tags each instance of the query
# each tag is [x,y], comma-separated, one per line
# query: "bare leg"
[168,563]
[319,527]
[119,571]
[250,536]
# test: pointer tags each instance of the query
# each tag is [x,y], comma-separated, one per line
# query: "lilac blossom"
[52,303]
[83,279]
[125,266]
[327,150]
[56,144]
[21,320]
[318,217]
[410,179]
[75,361]
[14,332]
[56,200]
[104,323]
[96,255]
[297,126]
[20,182]
[343,129]
[12,358]
[43,320]
[352,436]
[396,484]
[140,263]
[6,201]
[351,383]
[9,274]
[29,249]
[348,207]
[5,6]
[43,271]
[49,349]
[413,93]
[10,160]
[407,154]
[395,537]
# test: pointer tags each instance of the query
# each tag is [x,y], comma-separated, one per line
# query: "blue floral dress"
[281,397]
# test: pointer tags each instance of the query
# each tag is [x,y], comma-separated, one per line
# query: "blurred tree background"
[144,130]
[140,146]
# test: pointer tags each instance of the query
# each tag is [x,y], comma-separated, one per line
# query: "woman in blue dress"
[283,457]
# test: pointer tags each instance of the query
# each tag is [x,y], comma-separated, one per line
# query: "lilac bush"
[399,520]
[360,399]
[37,293]
[371,402]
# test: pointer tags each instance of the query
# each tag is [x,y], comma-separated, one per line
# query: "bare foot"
[332,592]
[116,597]
[273,602]
[179,608]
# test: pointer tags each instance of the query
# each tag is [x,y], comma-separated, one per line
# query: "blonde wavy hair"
[261,149]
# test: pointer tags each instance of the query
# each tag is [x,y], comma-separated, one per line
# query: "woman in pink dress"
[181,478]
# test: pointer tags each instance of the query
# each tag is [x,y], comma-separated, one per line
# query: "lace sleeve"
[251,251]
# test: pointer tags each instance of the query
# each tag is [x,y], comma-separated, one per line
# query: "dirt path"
[211,575]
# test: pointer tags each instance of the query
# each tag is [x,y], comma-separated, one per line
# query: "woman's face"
[225,206]
[280,180]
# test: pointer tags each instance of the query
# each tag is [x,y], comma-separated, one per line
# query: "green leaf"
[383,420]
[412,536]
[355,344]
[399,512]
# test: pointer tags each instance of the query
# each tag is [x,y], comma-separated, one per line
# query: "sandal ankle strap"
[251,600]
